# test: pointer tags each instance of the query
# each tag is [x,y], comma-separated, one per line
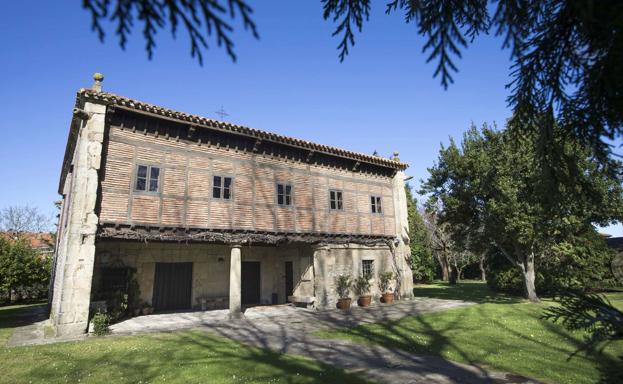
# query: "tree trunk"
[445,268]
[483,274]
[529,277]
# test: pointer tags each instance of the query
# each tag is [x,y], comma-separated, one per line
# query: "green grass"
[179,357]
[502,333]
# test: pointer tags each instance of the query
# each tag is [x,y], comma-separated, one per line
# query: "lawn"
[179,357]
[501,332]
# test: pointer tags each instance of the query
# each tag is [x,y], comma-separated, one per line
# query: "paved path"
[286,329]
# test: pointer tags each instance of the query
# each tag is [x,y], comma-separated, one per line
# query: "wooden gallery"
[208,214]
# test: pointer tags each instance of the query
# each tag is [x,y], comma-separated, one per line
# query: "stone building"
[209,211]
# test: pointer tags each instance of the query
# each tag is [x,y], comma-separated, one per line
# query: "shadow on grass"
[21,315]
[182,357]
[474,291]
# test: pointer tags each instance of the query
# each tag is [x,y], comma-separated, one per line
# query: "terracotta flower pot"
[364,301]
[387,298]
[344,303]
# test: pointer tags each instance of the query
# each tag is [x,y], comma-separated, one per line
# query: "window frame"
[376,205]
[284,194]
[148,179]
[370,263]
[221,187]
[339,202]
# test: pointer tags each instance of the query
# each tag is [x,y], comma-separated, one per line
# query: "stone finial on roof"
[97,85]
[395,157]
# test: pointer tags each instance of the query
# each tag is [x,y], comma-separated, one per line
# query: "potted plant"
[147,309]
[362,289]
[342,285]
[385,281]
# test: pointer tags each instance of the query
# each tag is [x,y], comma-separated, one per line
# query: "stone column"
[402,252]
[69,313]
[235,283]
[321,278]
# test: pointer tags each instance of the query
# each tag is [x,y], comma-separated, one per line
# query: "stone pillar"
[402,252]
[69,313]
[235,283]
[321,293]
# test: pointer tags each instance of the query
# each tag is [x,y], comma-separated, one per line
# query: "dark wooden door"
[289,280]
[250,275]
[172,286]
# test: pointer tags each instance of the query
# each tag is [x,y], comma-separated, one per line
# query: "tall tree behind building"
[421,254]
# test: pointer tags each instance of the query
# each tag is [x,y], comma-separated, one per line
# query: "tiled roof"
[112,99]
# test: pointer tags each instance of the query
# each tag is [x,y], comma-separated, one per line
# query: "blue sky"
[382,97]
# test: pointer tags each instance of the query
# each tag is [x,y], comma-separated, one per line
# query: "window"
[375,201]
[284,194]
[367,267]
[221,187]
[147,178]
[335,199]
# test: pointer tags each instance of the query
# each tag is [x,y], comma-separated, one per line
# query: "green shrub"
[385,281]
[101,322]
[361,285]
[343,284]
[583,262]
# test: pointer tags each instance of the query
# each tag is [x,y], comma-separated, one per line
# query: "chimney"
[97,85]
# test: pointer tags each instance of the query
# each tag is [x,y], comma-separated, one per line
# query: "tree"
[23,271]
[492,187]
[441,242]
[566,53]
[21,219]
[460,259]
[419,241]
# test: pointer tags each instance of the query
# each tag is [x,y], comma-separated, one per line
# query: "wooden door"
[172,286]
[289,280]
[250,276]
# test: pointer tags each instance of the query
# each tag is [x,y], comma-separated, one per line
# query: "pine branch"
[448,27]
[589,312]
[346,13]
[202,20]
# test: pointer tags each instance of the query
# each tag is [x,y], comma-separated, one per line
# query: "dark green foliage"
[201,19]
[343,284]
[23,271]
[345,13]
[495,190]
[385,281]
[361,285]
[588,312]
[422,262]
[101,322]
[583,262]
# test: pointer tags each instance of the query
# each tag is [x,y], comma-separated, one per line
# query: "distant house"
[615,243]
[43,242]
[206,209]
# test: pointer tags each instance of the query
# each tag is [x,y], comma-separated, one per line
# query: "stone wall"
[210,266]
[334,260]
